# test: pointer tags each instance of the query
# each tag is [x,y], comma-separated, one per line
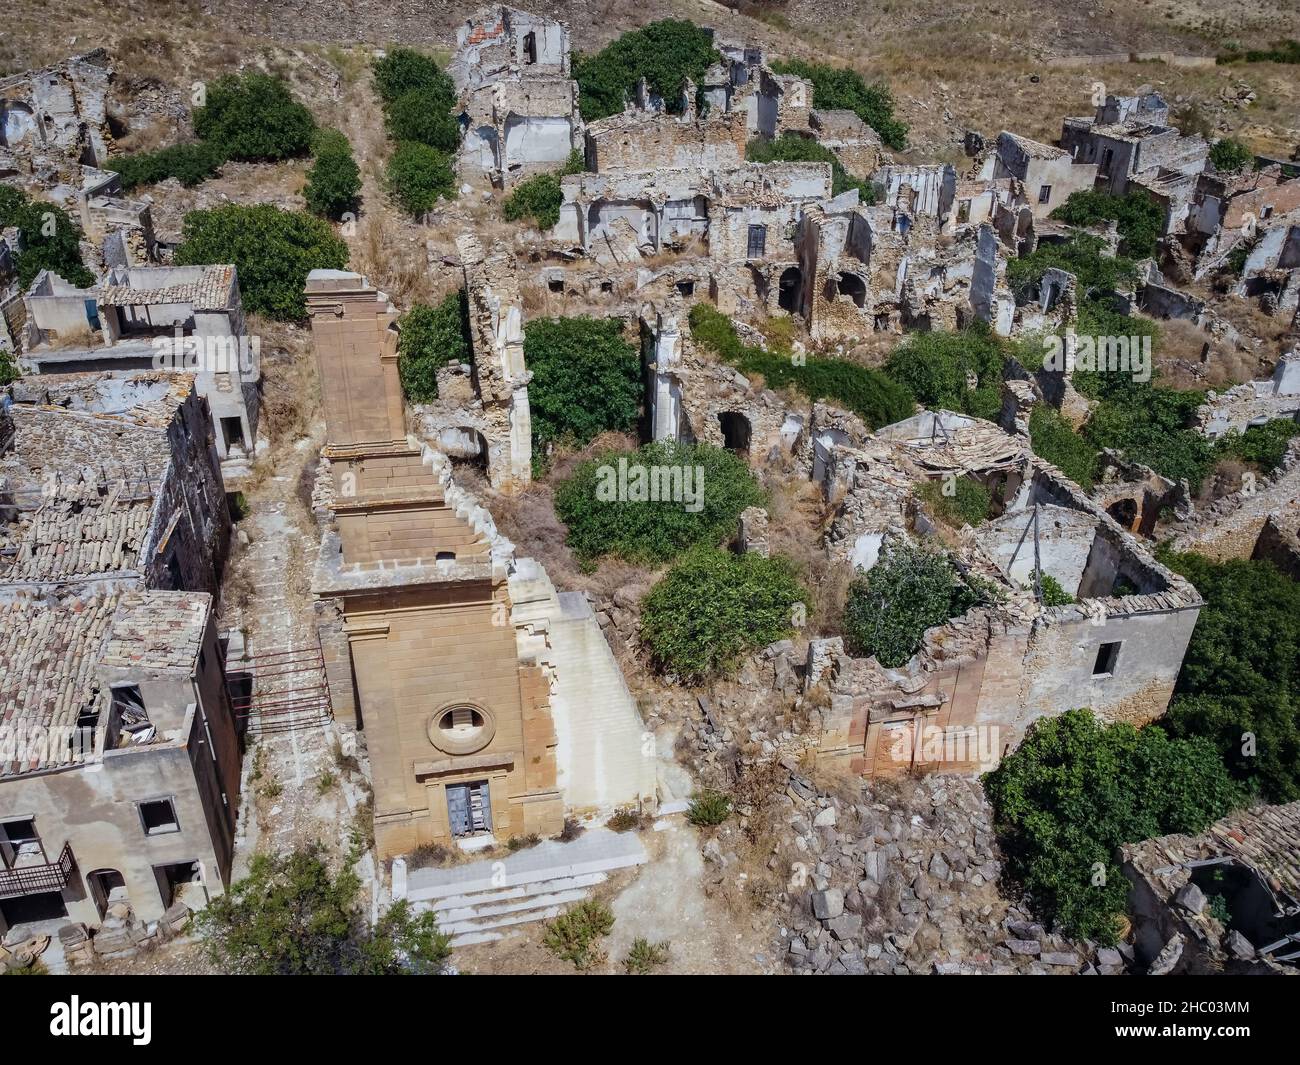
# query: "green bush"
[294,916]
[254,117]
[936,366]
[666,53]
[708,808]
[838,88]
[911,588]
[1053,440]
[424,116]
[189,164]
[404,70]
[1229,156]
[573,936]
[1240,681]
[1083,255]
[654,532]
[1147,424]
[334,180]
[1075,790]
[644,956]
[538,198]
[419,176]
[969,503]
[1141,220]
[1053,593]
[586,379]
[1287,51]
[8,371]
[1265,445]
[429,338]
[50,239]
[875,397]
[714,607]
[273,250]
[792,148]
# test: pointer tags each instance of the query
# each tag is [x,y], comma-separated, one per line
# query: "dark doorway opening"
[789,295]
[736,431]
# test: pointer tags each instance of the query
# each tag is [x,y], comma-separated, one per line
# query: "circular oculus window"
[461,728]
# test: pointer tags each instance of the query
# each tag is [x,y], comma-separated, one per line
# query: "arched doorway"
[789,295]
[854,287]
[107,886]
[1125,512]
[736,431]
[464,445]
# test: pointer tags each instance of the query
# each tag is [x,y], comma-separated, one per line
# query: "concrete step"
[497,924]
[523,891]
[476,914]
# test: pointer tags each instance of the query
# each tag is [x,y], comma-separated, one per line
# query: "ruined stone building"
[186,318]
[119,751]
[490,703]
[1047,175]
[54,119]
[519,106]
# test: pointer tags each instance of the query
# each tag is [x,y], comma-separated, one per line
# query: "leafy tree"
[405,70]
[1083,255]
[293,916]
[838,88]
[654,531]
[50,239]
[1229,156]
[424,115]
[969,503]
[190,164]
[334,180]
[936,367]
[1053,440]
[419,176]
[714,607]
[666,53]
[1240,682]
[875,397]
[1148,424]
[1141,220]
[586,379]
[429,338]
[273,250]
[910,589]
[1075,790]
[254,116]
[792,148]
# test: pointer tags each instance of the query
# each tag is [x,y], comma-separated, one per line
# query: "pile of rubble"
[121,935]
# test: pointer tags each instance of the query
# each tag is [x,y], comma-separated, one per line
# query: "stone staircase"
[482,901]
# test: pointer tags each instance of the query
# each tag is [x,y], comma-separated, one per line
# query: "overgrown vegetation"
[575,936]
[1283,52]
[1263,445]
[273,250]
[714,607]
[1075,790]
[429,338]
[190,163]
[540,197]
[295,916]
[666,53]
[1054,440]
[1084,255]
[334,180]
[645,956]
[875,397]
[968,503]
[1140,219]
[708,808]
[418,98]
[839,88]
[910,589]
[586,379]
[608,508]
[1229,156]
[791,148]
[1240,682]
[1053,593]
[50,240]
[936,368]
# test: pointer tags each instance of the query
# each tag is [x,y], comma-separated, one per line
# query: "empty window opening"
[128,719]
[736,431]
[158,816]
[1107,656]
[1044,193]
[963,211]
[555,284]
[607,286]
[469,808]
[790,289]
[854,287]
[530,48]
[686,288]
[19,843]
[445,556]
[757,244]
